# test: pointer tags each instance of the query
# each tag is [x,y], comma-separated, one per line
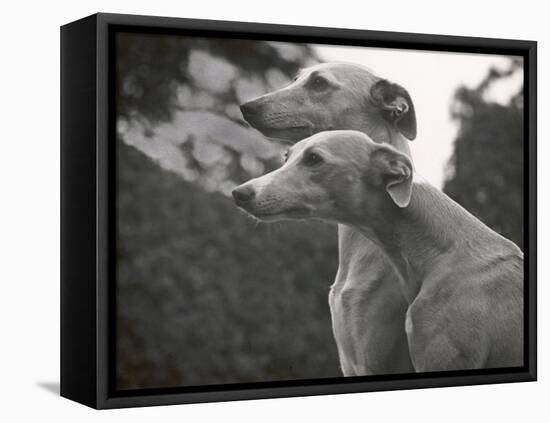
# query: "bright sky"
[431,79]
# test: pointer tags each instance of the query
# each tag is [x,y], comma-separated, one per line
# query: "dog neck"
[382,132]
[417,238]
[347,236]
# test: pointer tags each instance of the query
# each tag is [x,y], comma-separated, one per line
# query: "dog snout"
[249,110]
[243,194]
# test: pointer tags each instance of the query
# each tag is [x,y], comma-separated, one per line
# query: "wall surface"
[30,210]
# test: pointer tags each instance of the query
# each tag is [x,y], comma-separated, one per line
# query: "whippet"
[366,304]
[463,281]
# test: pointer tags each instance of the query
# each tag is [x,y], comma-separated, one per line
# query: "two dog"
[417,287]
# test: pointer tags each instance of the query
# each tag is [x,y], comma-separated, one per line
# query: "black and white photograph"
[281,212]
[293,211]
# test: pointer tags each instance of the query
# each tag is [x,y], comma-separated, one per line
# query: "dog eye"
[319,83]
[312,159]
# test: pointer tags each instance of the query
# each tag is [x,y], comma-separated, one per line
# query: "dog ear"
[396,174]
[397,106]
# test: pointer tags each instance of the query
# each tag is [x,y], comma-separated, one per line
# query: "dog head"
[332,96]
[340,176]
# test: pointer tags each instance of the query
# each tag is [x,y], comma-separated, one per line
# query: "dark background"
[205,295]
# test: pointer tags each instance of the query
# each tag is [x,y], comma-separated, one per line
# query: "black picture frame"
[88,198]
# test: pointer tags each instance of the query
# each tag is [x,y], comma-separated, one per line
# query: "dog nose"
[249,110]
[243,194]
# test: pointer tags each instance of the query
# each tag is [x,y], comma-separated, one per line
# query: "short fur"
[462,280]
[366,304]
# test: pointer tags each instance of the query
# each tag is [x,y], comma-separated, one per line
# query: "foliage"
[178,101]
[487,164]
[207,296]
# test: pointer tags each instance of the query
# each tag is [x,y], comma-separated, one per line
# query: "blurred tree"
[205,295]
[178,102]
[486,168]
